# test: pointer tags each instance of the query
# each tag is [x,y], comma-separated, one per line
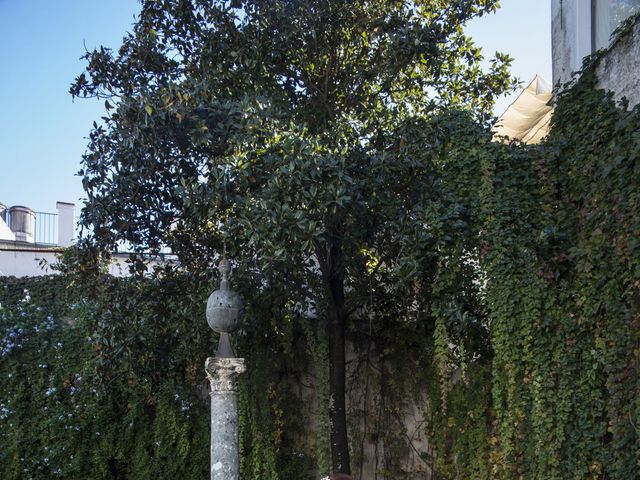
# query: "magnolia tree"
[307,134]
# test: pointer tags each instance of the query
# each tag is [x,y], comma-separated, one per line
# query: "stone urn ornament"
[224,308]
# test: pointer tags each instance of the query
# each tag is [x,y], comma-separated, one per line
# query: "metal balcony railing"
[46,228]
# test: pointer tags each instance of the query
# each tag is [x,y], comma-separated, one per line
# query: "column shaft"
[225,464]
[225,452]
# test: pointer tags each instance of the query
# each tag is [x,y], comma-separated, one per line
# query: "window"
[608,15]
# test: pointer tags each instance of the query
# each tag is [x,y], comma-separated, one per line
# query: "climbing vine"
[502,342]
[561,230]
[108,382]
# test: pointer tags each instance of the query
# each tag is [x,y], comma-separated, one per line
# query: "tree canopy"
[311,136]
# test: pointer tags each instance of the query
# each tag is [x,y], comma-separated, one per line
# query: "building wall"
[25,263]
[572,39]
[619,69]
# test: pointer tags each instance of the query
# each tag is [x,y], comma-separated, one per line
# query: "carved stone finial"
[224,306]
[223,372]
[224,267]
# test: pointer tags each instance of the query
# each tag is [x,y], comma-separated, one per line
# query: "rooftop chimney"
[66,223]
[22,223]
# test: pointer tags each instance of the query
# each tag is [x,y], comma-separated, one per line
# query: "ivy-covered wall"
[103,377]
[562,260]
[99,386]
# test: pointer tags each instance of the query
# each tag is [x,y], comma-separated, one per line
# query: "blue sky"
[43,132]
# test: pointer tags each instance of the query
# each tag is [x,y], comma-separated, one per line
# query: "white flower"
[4,412]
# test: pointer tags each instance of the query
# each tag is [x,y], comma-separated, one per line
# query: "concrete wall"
[570,37]
[25,263]
[375,415]
[571,41]
[619,69]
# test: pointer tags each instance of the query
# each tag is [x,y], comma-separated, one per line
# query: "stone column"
[225,456]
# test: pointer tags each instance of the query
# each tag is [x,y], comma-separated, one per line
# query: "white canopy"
[527,118]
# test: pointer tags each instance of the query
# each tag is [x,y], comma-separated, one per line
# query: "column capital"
[223,372]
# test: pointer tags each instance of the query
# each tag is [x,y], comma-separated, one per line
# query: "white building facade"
[581,27]
[31,241]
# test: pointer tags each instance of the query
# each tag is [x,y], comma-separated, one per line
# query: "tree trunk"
[334,276]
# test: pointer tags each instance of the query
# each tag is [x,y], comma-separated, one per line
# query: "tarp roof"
[527,118]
